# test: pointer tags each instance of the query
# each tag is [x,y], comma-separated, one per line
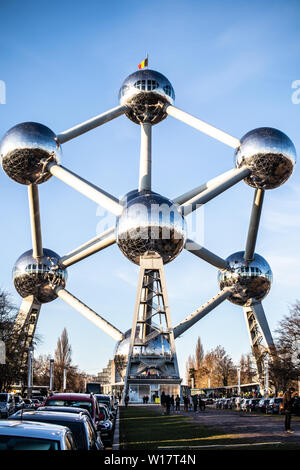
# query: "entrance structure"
[150,231]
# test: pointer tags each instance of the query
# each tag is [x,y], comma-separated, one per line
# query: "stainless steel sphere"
[38,277]
[22,150]
[158,347]
[150,222]
[146,92]
[249,280]
[269,154]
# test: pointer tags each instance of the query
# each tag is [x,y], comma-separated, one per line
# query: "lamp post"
[239,380]
[51,375]
[29,376]
[266,388]
[65,379]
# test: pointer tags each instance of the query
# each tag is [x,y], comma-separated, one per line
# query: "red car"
[79,400]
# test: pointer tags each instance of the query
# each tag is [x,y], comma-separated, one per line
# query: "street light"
[51,375]
[29,377]
[239,380]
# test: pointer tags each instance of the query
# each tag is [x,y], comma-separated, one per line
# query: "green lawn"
[146,428]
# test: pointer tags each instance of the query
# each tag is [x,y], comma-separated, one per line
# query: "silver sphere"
[249,280]
[150,222]
[23,149]
[146,92]
[269,154]
[38,277]
[157,347]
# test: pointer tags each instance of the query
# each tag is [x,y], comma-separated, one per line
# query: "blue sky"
[231,63]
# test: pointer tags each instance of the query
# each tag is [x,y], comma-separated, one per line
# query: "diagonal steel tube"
[214,190]
[254,224]
[91,247]
[201,312]
[86,126]
[205,254]
[203,126]
[87,312]
[35,222]
[89,190]
[199,189]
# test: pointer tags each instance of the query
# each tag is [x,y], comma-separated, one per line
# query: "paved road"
[251,427]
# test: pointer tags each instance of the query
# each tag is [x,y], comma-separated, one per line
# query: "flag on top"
[144,63]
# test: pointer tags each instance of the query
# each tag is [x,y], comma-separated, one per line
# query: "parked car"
[84,434]
[7,404]
[35,403]
[70,409]
[244,404]
[209,401]
[106,400]
[20,435]
[105,425]
[78,400]
[219,403]
[19,402]
[28,404]
[252,405]
[262,405]
[273,405]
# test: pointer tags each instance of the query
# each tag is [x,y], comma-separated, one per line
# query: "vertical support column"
[145,157]
[25,326]
[260,337]
[152,320]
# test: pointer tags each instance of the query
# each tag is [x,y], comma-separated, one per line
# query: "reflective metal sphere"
[38,277]
[150,222]
[269,154]
[22,150]
[146,92]
[158,346]
[250,280]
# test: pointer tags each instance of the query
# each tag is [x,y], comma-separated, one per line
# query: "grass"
[146,428]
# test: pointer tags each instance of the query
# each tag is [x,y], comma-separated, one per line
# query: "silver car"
[20,435]
[7,405]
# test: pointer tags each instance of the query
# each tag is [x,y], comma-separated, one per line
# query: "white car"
[20,435]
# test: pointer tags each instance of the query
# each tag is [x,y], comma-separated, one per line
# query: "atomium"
[249,280]
[146,92]
[269,154]
[150,222]
[38,277]
[25,150]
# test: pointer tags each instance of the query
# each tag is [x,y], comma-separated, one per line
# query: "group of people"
[145,399]
[193,403]
[169,403]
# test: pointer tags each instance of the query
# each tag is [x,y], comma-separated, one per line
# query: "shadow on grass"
[148,428]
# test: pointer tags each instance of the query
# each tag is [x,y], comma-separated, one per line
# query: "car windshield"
[86,405]
[3,397]
[104,411]
[27,443]
[77,430]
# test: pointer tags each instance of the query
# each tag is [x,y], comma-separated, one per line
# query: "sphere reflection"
[269,154]
[146,92]
[249,280]
[150,222]
[23,149]
[38,277]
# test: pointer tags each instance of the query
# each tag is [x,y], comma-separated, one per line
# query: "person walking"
[172,403]
[177,403]
[126,401]
[195,402]
[288,399]
[168,404]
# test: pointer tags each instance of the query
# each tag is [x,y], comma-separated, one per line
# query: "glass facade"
[138,391]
